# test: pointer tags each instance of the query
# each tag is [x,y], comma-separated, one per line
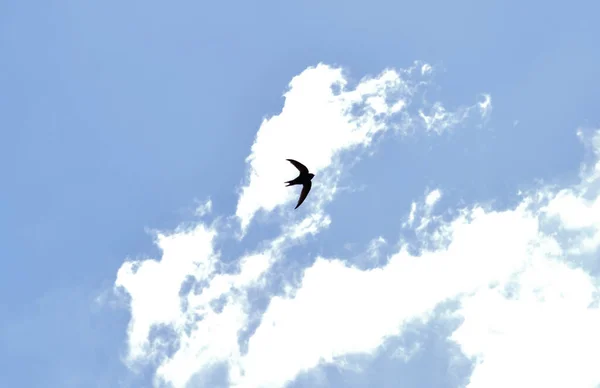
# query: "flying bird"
[303,179]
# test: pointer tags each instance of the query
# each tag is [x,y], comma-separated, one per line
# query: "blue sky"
[119,120]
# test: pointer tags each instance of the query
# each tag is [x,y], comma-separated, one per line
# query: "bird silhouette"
[303,179]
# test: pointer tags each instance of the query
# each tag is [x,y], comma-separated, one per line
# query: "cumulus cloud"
[322,118]
[543,334]
[528,313]
[529,318]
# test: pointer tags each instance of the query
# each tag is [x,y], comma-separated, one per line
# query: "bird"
[303,179]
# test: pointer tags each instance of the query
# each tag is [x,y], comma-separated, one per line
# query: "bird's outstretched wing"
[302,168]
[305,189]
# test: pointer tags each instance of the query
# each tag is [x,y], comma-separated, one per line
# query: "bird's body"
[303,179]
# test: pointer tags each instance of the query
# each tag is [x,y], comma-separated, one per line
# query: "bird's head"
[311,175]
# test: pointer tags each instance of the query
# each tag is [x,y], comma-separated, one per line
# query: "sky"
[450,239]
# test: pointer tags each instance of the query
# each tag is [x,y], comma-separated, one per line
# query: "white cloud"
[543,331]
[506,269]
[316,125]
[322,323]
[486,106]
[432,198]
[438,119]
[154,285]
[204,208]
[425,209]
[375,246]
[543,334]
[411,216]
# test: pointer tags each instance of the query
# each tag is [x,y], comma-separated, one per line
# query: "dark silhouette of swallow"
[303,179]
